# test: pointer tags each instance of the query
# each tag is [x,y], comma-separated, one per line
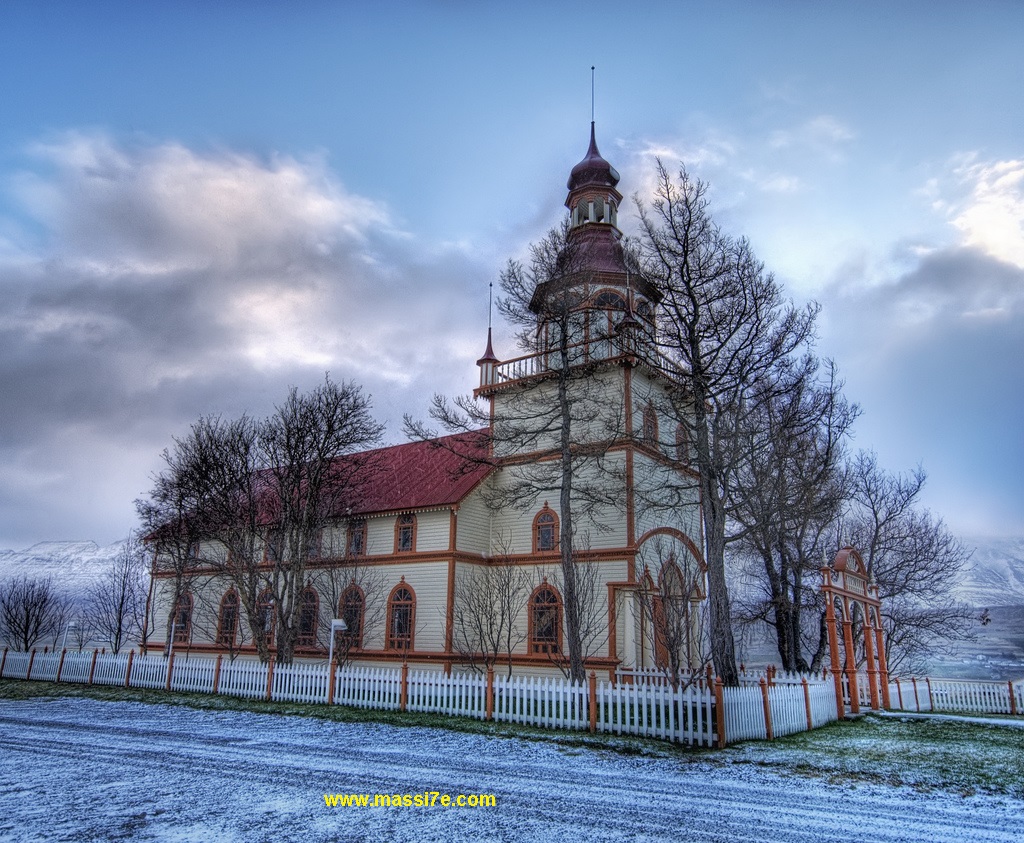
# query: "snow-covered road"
[80,769]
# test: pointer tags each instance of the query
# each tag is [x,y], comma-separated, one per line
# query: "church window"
[545,531]
[309,610]
[649,432]
[405,534]
[183,619]
[545,620]
[401,615]
[265,613]
[356,542]
[682,443]
[227,620]
[350,610]
[275,545]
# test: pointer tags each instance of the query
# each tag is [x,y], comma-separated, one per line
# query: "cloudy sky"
[202,204]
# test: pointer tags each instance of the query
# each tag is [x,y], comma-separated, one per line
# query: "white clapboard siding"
[369,687]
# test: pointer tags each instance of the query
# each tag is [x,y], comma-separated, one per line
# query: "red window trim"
[404,642]
[545,512]
[547,645]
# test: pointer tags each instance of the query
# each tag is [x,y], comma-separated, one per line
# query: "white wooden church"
[428,525]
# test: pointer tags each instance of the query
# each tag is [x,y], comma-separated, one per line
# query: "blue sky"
[202,204]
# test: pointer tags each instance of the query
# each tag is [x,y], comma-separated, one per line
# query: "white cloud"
[991,216]
[169,283]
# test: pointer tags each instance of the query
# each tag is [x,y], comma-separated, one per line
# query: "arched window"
[401,618]
[649,431]
[350,609]
[405,534]
[355,544]
[545,531]
[265,613]
[682,443]
[227,620]
[309,611]
[182,619]
[545,620]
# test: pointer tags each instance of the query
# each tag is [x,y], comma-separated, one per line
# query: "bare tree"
[32,610]
[913,559]
[302,442]
[793,486]
[116,603]
[724,323]
[674,616]
[247,500]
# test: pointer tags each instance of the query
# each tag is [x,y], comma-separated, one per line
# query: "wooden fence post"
[270,680]
[3,664]
[216,673]
[1013,697]
[92,667]
[128,670]
[720,710]
[489,714]
[767,709]
[332,669]
[32,658]
[931,699]
[170,670]
[917,699]
[807,703]
[60,666]
[593,701]
[404,701]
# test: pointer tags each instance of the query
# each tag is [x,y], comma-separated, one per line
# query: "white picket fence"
[956,695]
[639,704]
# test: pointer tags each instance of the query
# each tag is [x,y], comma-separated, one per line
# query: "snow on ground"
[82,769]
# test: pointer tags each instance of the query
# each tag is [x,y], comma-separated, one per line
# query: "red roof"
[418,475]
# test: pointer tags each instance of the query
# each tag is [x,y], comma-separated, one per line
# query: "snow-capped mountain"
[71,565]
[995,574]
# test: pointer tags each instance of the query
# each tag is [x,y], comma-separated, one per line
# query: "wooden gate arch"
[849,591]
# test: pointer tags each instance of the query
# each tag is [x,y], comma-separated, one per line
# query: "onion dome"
[593,169]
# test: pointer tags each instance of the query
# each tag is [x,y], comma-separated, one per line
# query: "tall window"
[682,443]
[355,544]
[649,432]
[350,609]
[275,545]
[309,609]
[405,534]
[227,621]
[183,619]
[265,614]
[545,620]
[401,617]
[545,531]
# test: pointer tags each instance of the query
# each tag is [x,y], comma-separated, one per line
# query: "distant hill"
[71,565]
[995,575]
